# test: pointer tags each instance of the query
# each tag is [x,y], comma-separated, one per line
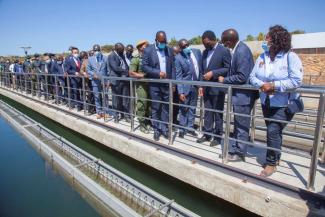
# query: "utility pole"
[26,49]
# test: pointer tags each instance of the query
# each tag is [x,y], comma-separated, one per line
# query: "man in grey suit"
[96,69]
[188,66]
[242,64]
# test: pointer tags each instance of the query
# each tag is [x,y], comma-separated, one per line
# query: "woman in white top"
[276,71]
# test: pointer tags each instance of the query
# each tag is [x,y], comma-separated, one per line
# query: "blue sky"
[52,26]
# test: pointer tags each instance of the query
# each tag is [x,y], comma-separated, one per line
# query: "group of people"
[229,61]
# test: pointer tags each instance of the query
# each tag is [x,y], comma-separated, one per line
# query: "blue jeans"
[187,115]
[274,131]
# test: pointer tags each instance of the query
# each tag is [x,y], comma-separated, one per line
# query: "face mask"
[75,55]
[59,62]
[265,46]
[161,46]
[208,47]
[97,53]
[187,50]
[47,61]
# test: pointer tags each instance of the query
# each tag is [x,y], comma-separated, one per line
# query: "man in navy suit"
[72,67]
[188,66]
[58,70]
[158,63]
[216,62]
[118,67]
[242,64]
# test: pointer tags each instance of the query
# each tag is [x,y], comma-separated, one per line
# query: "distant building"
[309,43]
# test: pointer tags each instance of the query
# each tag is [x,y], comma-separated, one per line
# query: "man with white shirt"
[188,66]
[72,67]
[158,63]
[242,64]
[216,62]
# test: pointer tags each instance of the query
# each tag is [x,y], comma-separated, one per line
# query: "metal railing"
[136,195]
[48,85]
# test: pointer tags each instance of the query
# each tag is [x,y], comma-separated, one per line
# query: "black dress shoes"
[156,135]
[204,138]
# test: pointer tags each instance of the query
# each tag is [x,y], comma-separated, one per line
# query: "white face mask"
[75,55]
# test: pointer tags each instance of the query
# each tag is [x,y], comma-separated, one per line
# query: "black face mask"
[208,46]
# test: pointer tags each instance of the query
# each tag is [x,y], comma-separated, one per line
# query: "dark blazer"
[57,69]
[183,70]
[241,66]
[219,64]
[70,65]
[114,66]
[151,66]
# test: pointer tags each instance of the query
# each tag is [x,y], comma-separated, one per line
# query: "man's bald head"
[230,38]
[119,48]
[161,37]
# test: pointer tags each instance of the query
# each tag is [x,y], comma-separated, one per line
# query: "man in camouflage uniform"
[142,105]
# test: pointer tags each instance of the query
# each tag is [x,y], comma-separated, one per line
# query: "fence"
[58,88]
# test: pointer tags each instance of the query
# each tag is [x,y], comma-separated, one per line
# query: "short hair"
[74,48]
[210,35]
[160,32]
[230,35]
[129,45]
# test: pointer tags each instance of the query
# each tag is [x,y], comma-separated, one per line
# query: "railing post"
[170,121]
[47,87]
[317,141]
[253,119]
[227,130]
[38,86]
[201,114]
[69,92]
[56,89]
[25,75]
[103,93]
[84,94]
[132,101]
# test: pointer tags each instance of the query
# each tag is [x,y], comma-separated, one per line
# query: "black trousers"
[213,121]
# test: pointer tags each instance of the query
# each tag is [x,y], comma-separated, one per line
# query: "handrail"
[316,90]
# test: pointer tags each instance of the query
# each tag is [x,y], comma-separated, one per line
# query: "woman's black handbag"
[295,105]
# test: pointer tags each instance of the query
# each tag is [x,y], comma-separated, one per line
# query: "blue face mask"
[161,46]
[187,50]
[265,46]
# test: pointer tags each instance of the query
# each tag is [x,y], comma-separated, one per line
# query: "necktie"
[194,77]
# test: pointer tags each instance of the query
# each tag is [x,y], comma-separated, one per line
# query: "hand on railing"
[207,76]
[182,97]
[162,75]
[201,93]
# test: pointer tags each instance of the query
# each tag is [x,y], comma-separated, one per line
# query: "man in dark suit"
[216,62]
[72,67]
[242,64]
[118,67]
[188,66]
[158,63]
